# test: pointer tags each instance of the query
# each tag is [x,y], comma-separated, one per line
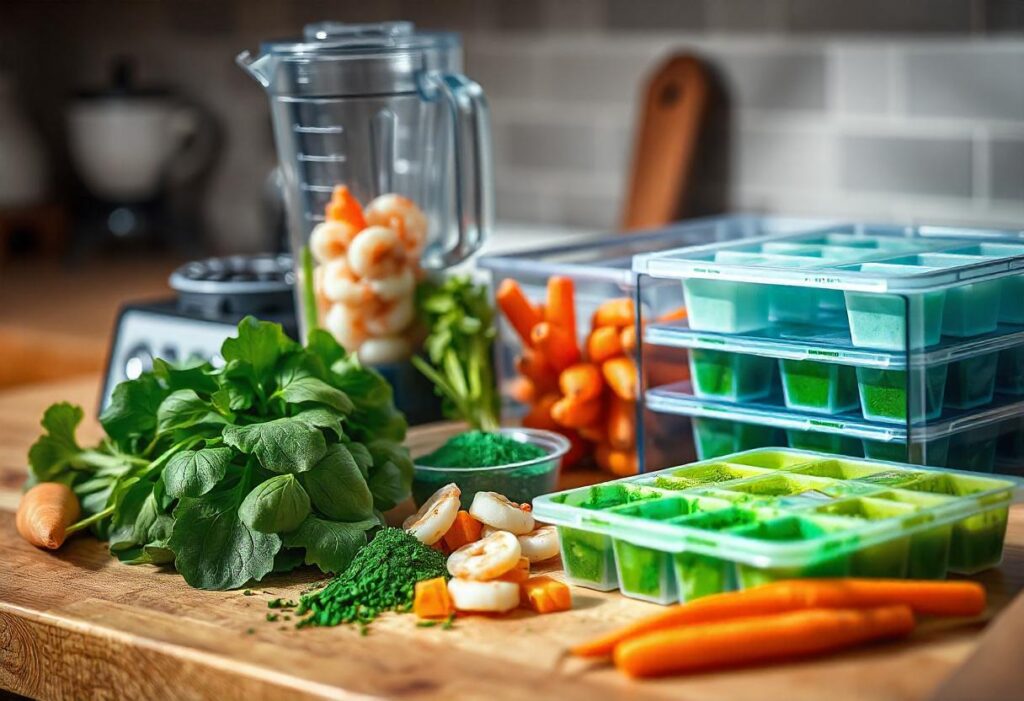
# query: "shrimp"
[346,325]
[402,215]
[339,284]
[394,286]
[436,516]
[331,239]
[498,511]
[392,318]
[487,558]
[376,253]
[385,349]
[494,597]
[540,544]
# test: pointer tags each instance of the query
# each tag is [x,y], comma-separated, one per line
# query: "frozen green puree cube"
[928,557]
[717,437]
[880,320]
[822,387]
[883,393]
[645,572]
[734,376]
[886,559]
[587,557]
[821,442]
[701,575]
[791,529]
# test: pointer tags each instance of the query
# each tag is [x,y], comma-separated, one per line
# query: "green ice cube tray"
[767,514]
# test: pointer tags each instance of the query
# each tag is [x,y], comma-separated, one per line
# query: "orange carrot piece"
[539,415]
[603,343]
[533,366]
[466,529]
[759,639]
[582,381]
[573,413]
[557,345]
[560,309]
[523,390]
[619,462]
[961,598]
[545,595]
[44,514]
[614,312]
[596,432]
[432,600]
[440,547]
[518,574]
[345,207]
[620,374]
[627,339]
[621,424]
[677,314]
[519,311]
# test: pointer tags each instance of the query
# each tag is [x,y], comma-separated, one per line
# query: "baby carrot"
[596,432]
[517,309]
[560,309]
[621,424]
[578,448]
[961,598]
[576,413]
[614,312]
[539,415]
[581,381]
[44,514]
[523,390]
[533,366]
[620,374]
[627,339]
[603,344]
[557,345]
[759,639]
[622,463]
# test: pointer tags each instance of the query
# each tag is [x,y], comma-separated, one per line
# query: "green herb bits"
[825,388]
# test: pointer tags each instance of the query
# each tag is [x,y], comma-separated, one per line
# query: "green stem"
[308,293]
[86,522]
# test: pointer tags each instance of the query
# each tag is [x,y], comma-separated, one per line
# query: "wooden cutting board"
[78,624]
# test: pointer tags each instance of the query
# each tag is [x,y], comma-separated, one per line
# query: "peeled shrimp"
[539,544]
[402,215]
[486,558]
[339,284]
[331,239]
[376,252]
[495,597]
[392,318]
[498,511]
[401,284]
[346,325]
[436,516]
[385,349]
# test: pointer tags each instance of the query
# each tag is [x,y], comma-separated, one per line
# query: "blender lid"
[380,37]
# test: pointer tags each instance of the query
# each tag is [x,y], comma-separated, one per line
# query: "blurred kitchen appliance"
[667,134]
[133,147]
[23,182]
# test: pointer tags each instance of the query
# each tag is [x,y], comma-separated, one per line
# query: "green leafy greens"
[286,454]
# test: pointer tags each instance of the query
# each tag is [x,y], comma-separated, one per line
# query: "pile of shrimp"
[367,271]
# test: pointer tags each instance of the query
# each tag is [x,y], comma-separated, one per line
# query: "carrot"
[432,599]
[523,390]
[441,547]
[620,374]
[345,207]
[596,432]
[560,309]
[533,366]
[614,312]
[619,462]
[581,381]
[578,448]
[517,309]
[518,574]
[621,424]
[759,639]
[539,415]
[627,339]
[574,413]
[603,344]
[960,598]
[677,314]
[557,345]
[44,514]
[545,595]
[466,529]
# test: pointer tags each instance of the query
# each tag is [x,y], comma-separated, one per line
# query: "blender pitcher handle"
[474,173]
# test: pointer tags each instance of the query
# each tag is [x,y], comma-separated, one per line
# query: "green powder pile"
[479,449]
[382,577]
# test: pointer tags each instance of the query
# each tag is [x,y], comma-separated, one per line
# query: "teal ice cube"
[724,306]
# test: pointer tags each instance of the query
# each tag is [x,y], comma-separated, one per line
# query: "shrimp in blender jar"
[346,324]
[376,253]
[339,284]
[401,284]
[331,239]
[391,317]
[402,215]
[384,349]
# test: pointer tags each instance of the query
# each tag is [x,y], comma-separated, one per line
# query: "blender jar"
[384,149]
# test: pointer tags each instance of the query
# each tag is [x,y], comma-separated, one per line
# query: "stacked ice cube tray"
[858,342]
[762,515]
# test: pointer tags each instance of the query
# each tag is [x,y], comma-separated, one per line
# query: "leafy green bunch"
[286,454]
[460,320]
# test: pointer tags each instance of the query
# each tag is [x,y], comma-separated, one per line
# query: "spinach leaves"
[285,454]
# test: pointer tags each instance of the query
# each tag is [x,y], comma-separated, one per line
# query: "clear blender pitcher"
[385,153]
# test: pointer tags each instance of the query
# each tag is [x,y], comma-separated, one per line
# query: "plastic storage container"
[769,514]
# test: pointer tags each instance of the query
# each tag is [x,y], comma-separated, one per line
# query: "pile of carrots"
[782,620]
[587,393]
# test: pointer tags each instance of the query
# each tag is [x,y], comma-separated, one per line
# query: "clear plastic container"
[971,382]
[734,376]
[827,388]
[888,395]
[1010,370]
[807,515]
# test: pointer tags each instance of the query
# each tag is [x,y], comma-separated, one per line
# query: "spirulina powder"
[479,449]
[382,577]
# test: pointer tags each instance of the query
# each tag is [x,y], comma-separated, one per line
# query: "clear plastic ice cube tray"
[761,515]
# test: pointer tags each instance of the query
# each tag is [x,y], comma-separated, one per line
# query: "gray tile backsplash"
[1006,178]
[966,81]
[774,79]
[863,79]
[911,165]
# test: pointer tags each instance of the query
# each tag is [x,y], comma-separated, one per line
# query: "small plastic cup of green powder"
[521,463]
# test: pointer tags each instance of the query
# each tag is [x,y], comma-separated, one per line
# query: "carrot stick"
[44,514]
[517,309]
[962,598]
[465,529]
[620,374]
[759,639]
[614,312]
[539,415]
[627,339]
[582,381]
[575,413]
[603,344]
[677,314]
[557,345]
[621,424]
[561,305]
[533,366]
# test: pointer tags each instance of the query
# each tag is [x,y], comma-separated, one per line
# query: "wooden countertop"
[78,624]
